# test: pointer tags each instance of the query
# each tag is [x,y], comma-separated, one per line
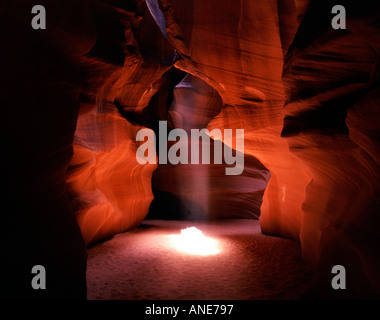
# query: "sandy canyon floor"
[149,262]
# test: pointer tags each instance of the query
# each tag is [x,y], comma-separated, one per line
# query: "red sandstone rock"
[322,190]
[306,95]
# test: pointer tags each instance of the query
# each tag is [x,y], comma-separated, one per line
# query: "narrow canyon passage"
[125,122]
[145,263]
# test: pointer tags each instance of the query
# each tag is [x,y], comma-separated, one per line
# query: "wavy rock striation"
[321,148]
[332,123]
[306,95]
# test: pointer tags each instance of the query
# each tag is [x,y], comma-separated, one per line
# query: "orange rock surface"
[306,95]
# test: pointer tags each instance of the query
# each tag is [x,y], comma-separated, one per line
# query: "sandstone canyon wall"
[306,95]
[332,123]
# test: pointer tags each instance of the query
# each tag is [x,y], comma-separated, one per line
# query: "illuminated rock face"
[312,122]
[244,63]
[306,95]
[110,191]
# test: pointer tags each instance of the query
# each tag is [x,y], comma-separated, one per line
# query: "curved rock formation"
[306,95]
[110,191]
[204,191]
[331,123]
[332,160]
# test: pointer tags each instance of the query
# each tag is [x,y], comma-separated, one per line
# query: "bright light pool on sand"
[192,240]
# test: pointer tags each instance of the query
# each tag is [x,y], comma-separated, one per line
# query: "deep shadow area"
[205,192]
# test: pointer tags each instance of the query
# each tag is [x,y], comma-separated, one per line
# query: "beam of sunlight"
[193,241]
